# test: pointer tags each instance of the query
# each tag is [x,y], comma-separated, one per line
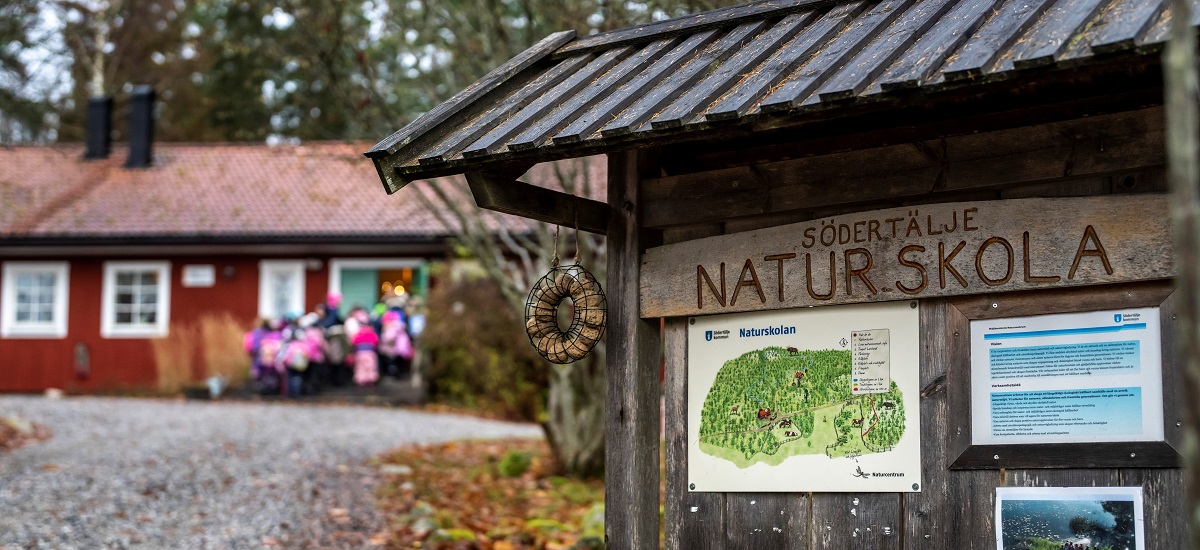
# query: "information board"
[1067,378]
[812,399]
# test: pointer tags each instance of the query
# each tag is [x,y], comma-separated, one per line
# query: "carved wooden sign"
[914,252]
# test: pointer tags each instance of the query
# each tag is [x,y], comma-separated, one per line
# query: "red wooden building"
[110,277]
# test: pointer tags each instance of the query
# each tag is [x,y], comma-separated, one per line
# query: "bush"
[514,464]
[479,356]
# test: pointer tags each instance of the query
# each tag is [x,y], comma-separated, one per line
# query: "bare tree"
[515,253]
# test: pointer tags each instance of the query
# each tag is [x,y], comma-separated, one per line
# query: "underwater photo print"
[1069,518]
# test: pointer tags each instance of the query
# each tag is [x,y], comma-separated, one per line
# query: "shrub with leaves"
[479,355]
[514,463]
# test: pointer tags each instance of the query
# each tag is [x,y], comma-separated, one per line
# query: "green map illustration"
[773,403]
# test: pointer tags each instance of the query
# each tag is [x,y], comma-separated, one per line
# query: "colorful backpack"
[296,356]
[338,346]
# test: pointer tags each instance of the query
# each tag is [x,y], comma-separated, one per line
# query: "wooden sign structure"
[981,159]
[927,251]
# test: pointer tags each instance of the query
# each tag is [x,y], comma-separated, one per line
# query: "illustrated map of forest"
[773,403]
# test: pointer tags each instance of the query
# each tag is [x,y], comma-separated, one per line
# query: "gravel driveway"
[141,473]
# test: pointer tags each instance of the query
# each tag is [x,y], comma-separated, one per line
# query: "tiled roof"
[209,190]
[757,64]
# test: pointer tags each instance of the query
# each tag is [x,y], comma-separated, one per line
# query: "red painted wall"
[123,364]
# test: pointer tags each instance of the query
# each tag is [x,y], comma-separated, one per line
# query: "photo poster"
[1067,378]
[1069,517]
[810,399]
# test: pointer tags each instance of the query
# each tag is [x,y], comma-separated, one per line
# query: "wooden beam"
[992,160]
[510,196]
[631,409]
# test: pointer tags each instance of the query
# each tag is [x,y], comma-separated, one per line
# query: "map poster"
[1067,378]
[815,399]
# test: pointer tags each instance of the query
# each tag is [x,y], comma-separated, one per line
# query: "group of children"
[297,355]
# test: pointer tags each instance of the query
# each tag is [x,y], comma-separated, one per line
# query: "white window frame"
[295,301]
[57,327]
[336,266]
[108,312]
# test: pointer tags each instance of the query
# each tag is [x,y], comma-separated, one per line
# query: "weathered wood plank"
[860,71]
[1062,478]
[994,38]
[971,522]
[767,220]
[970,494]
[530,201]
[931,50]
[1002,158]
[934,250]
[470,94]
[861,521]
[744,61]
[1174,400]
[1125,22]
[496,139]
[800,84]
[1065,300]
[631,426]
[1100,185]
[692,520]
[680,81]
[635,89]
[721,17]
[453,144]
[927,513]
[1045,40]
[1159,29]
[542,129]
[782,63]
[757,521]
[1075,455]
[1164,505]
[958,379]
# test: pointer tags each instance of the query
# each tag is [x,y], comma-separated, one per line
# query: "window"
[280,288]
[34,303]
[137,298]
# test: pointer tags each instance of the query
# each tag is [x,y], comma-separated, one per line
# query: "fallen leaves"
[453,496]
[16,432]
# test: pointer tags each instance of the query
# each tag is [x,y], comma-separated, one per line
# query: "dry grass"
[221,338]
[173,358]
[189,353]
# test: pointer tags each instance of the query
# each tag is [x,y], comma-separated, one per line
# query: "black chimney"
[98,132]
[141,127]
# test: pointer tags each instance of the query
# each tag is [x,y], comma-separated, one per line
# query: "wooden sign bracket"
[506,194]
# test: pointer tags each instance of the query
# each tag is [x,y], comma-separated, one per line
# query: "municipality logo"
[708,335]
[1116,317]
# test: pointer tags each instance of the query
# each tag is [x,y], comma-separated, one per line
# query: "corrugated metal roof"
[684,77]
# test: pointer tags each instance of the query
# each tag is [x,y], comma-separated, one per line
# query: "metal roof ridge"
[692,23]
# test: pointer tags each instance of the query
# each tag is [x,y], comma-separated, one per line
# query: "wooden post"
[1179,73]
[631,424]
[691,520]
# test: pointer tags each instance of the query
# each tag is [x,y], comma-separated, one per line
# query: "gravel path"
[140,473]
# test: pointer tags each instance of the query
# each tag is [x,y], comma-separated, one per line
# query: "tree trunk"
[1179,71]
[575,414]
